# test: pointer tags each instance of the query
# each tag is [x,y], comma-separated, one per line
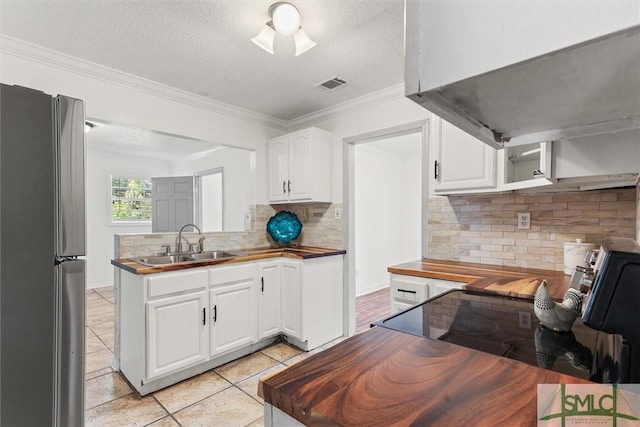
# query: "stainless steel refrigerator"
[42,278]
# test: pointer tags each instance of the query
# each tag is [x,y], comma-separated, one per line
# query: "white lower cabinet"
[174,325]
[177,333]
[269,297]
[291,303]
[232,302]
[407,291]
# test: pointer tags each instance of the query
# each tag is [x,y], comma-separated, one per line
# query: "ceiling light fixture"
[285,20]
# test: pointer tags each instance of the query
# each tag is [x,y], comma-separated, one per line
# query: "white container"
[574,253]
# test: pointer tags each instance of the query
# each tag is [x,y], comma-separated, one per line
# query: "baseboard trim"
[101,284]
[371,288]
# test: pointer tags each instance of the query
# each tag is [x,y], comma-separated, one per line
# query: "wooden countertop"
[386,378]
[512,281]
[302,252]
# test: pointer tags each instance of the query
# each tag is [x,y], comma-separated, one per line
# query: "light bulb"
[286,19]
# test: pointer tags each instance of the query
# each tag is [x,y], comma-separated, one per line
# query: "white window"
[130,199]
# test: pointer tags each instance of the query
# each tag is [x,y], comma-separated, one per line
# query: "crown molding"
[39,54]
[351,106]
[45,56]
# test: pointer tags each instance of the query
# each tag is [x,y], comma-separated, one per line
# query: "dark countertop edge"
[254,254]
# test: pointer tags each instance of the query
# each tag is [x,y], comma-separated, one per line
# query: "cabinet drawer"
[232,273]
[408,288]
[438,286]
[169,283]
[397,306]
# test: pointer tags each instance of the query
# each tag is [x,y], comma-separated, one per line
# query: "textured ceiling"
[205,47]
[118,139]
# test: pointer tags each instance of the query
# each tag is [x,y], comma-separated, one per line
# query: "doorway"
[385,203]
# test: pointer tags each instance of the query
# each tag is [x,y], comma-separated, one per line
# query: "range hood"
[586,89]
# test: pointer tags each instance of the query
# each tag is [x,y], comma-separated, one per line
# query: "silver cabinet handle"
[289,185]
[284,187]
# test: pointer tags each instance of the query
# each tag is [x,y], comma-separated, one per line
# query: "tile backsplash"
[482,228]
[319,228]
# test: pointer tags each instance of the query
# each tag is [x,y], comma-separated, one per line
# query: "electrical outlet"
[524,319]
[524,221]
[337,213]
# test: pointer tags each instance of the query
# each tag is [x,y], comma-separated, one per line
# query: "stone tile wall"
[319,228]
[482,228]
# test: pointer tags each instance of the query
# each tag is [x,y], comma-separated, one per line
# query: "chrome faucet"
[179,238]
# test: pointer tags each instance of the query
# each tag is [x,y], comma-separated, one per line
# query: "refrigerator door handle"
[70,177]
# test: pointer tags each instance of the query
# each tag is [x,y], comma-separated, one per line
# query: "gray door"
[172,203]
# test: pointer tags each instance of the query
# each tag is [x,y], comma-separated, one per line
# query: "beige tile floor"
[225,396]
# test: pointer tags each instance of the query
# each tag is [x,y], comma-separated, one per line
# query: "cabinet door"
[269,319]
[462,162]
[176,333]
[291,303]
[233,316]
[278,168]
[300,166]
[526,166]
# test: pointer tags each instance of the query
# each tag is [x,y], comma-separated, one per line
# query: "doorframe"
[348,191]
[197,188]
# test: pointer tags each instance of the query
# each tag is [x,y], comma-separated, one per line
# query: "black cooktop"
[508,327]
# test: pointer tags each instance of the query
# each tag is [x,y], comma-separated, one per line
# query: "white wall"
[387,211]
[379,111]
[119,98]
[411,224]
[100,231]
[237,177]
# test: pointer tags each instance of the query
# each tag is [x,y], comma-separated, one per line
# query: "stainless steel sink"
[160,261]
[155,261]
[213,255]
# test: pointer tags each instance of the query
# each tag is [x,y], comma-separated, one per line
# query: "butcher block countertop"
[512,281]
[254,254]
[387,378]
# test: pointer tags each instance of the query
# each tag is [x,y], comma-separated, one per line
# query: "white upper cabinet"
[525,166]
[300,167]
[459,161]
[511,73]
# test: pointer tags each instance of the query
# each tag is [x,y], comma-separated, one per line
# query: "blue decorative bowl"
[284,227]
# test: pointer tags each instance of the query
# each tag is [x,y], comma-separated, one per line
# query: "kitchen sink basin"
[160,261]
[213,255]
[164,260]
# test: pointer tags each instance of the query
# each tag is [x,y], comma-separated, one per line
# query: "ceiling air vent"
[331,84]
